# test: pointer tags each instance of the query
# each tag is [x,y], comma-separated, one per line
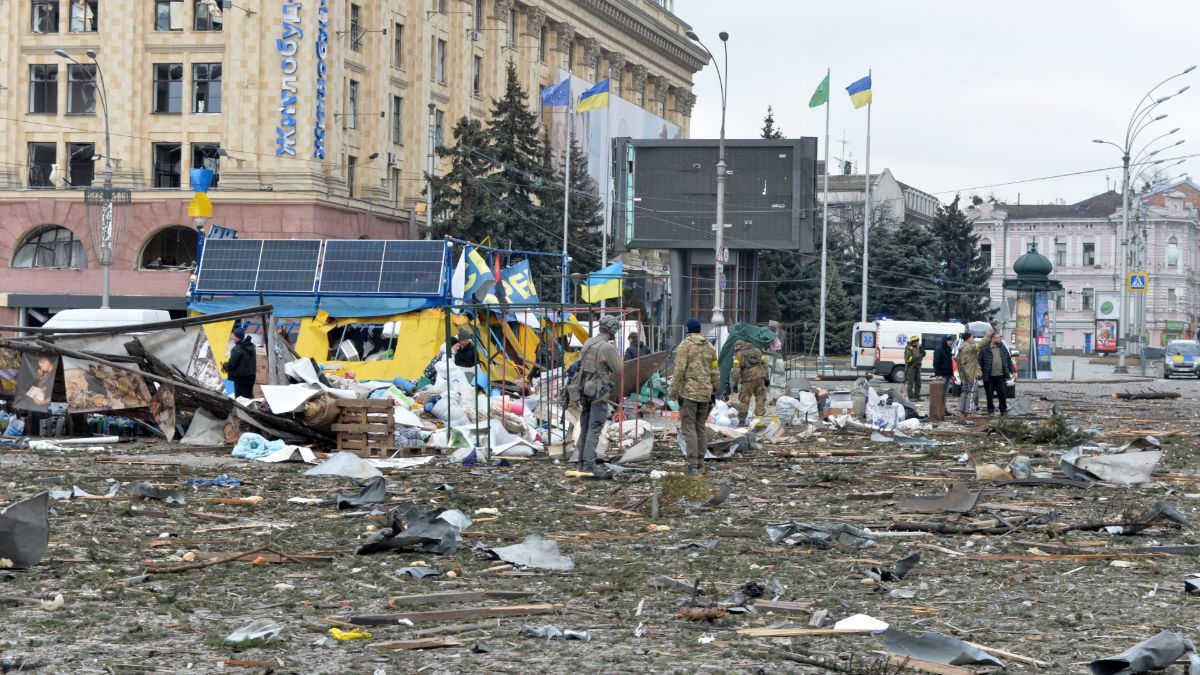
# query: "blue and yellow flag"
[603,284]
[860,92]
[478,277]
[593,98]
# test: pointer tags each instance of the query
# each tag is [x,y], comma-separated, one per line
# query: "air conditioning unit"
[475,36]
[392,158]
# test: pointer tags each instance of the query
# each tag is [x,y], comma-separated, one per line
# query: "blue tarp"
[299,306]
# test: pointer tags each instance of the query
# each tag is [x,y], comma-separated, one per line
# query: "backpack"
[753,358]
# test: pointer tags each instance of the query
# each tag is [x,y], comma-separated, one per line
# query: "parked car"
[1182,359]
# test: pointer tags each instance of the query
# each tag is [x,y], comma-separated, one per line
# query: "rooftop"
[1099,206]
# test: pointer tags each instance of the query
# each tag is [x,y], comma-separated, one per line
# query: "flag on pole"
[821,95]
[860,92]
[603,284]
[593,98]
[557,94]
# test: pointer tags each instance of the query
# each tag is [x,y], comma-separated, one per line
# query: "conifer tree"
[961,272]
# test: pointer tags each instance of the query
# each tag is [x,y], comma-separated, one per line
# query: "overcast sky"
[966,93]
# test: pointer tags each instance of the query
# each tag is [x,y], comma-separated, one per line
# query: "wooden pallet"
[366,427]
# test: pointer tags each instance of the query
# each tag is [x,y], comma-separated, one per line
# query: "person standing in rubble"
[749,378]
[968,372]
[241,366]
[914,356]
[592,386]
[636,349]
[464,350]
[995,361]
[943,367]
[694,386]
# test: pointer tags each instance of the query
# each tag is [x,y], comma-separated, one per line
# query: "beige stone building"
[316,116]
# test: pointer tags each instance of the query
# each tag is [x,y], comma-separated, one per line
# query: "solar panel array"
[360,267]
[391,267]
[267,265]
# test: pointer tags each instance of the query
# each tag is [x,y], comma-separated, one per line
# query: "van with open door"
[889,339]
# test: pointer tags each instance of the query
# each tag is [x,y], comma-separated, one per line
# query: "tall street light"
[106,213]
[718,314]
[1140,119]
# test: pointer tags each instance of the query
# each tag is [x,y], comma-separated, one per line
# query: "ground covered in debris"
[1029,572]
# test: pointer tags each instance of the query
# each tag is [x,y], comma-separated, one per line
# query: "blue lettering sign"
[322,50]
[288,45]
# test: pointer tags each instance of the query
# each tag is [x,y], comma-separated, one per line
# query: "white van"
[105,318]
[878,346]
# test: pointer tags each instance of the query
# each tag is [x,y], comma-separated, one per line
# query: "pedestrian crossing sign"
[1137,282]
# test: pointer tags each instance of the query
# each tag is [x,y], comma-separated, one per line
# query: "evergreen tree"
[769,129]
[903,273]
[797,282]
[519,169]
[585,219]
[462,206]
[961,273]
[768,300]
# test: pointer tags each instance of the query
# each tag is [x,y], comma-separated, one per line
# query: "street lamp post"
[106,223]
[1140,119]
[718,314]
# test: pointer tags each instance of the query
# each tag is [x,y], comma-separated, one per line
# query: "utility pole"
[429,175]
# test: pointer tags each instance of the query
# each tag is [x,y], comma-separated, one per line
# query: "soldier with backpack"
[599,367]
[749,378]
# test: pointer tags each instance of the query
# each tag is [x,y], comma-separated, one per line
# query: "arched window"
[172,247]
[51,246]
[1172,252]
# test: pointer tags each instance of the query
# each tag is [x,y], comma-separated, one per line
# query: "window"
[351,161]
[352,109]
[43,164]
[1060,301]
[1172,252]
[168,15]
[206,87]
[439,61]
[168,88]
[542,44]
[81,164]
[84,15]
[571,57]
[441,6]
[439,127]
[81,89]
[167,170]
[398,46]
[1059,340]
[1089,254]
[477,76]
[51,246]
[397,119]
[1088,296]
[207,156]
[478,14]
[1172,300]
[45,16]
[172,247]
[985,251]
[43,88]
[208,16]
[1060,254]
[394,177]
[512,27]
[356,29]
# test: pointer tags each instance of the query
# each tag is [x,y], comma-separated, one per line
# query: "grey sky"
[966,93]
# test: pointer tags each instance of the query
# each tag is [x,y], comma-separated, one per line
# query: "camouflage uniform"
[599,369]
[914,356]
[750,377]
[695,384]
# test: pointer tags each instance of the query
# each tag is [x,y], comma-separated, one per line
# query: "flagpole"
[607,155]
[567,192]
[824,230]
[867,219]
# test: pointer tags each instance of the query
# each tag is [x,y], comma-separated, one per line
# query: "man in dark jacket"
[996,363]
[241,366]
[464,350]
[943,367]
[636,349]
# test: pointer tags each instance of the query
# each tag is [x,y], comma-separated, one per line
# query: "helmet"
[610,324]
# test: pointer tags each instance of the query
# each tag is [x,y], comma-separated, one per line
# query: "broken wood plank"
[453,629]
[426,643]
[782,607]
[1009,655]
[447,615]
[923,666]
[1145,395]
[453,596]
[798,632]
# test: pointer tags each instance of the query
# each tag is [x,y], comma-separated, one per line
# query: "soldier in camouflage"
[749,378]
[594,383]
[694,386]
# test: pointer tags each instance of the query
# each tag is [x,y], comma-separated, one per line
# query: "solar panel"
[392,267]
[250,265]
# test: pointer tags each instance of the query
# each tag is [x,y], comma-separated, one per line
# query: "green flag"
[821,95]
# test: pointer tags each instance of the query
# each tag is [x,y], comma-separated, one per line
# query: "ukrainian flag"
[593,98]
[604,284]
[860,92]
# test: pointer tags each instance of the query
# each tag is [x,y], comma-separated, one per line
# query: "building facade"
[318,118]
[1083,241]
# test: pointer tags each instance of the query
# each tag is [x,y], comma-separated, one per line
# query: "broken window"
[170,247]
[207,156]
[206,87]
[356,28]
[51,246]
[45,16]
[81,164]
[208,16]
[363,342]
[81,89]
[43,88]
[167,170]
[43,164]
[168,88]
[84,15]
[168,15]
